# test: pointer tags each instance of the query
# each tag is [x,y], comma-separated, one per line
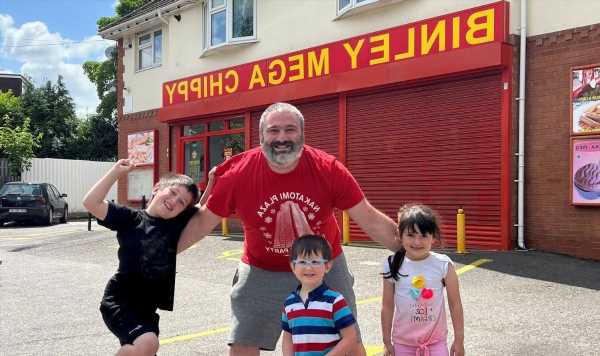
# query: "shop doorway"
[204,145]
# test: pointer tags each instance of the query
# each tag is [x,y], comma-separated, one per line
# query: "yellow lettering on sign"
[236,79]
[438,34]
[218,83]
[257,77]
[182,88]
[383,48]
[410,51]
[317,68]
[195,86]
[170,91]
[455,32]
[353,52]
[487,27]
[296,63]
[273,80]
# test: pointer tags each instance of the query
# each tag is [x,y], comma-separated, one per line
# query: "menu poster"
[585,171]
[140,183]
[140,148]
[585,100]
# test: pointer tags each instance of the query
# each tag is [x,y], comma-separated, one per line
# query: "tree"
[11,113]
[18,144]
[52,115]
[123,8]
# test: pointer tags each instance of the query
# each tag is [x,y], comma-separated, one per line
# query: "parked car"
[38,202]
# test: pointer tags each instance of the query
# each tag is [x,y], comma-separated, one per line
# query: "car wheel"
[50,218]
[65,216]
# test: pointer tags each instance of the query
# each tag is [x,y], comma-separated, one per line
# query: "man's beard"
[283,158]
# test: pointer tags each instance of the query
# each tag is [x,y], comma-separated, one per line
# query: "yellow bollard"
[224,227]
[345,228]
[460,231]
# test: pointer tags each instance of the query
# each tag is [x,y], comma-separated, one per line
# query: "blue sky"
[45,38]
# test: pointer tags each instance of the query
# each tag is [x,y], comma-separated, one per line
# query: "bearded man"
[280,191]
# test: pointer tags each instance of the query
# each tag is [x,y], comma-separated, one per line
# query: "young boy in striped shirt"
[316,320]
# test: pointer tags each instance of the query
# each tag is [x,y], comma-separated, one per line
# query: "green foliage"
[11,113]
[123,8]
[18,144]
[52,115]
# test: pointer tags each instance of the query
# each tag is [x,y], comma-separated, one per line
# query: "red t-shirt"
[277,208]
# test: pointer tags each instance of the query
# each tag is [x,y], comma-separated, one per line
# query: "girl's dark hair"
[171,179]
[307,245]
[410,218]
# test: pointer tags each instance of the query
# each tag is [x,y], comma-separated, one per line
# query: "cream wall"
[288,25]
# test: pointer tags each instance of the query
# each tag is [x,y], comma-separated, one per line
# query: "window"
[149,50]
[344,6]
[191,130]
[229,21]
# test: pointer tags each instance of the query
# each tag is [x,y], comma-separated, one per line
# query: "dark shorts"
[257,298]
[127,322]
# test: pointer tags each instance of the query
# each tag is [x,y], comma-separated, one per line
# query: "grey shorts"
[257,298]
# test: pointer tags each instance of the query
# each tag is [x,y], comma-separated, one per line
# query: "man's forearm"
[376,224]
[200,225]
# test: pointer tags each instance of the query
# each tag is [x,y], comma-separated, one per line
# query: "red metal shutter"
[320,125]
[438,144]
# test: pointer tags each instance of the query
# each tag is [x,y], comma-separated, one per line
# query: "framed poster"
[141,147]
[139,184]
[585,170]
[585,100]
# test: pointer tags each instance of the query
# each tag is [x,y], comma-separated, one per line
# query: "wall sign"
[585,100]
[585,170]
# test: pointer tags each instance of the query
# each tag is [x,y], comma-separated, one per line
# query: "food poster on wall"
[585,97]
[140,148]
[586,171]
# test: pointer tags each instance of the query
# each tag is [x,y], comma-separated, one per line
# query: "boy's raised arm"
[94,199]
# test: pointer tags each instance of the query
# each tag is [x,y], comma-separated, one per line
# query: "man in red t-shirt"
[282,190]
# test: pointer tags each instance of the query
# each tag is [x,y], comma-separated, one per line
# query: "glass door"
[194,160]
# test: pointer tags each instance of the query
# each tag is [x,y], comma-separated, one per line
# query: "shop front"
[419,112]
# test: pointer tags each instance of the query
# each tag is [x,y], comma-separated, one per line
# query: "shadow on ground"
[538,265]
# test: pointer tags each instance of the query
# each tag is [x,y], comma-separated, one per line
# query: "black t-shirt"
[147,256]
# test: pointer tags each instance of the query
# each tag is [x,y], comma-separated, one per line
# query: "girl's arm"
[387,315]
[287,345]
[94,199]
[347,343]
[456,312]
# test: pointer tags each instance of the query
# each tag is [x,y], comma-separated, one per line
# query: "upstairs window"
[149,50]
[229,21]
[344,6]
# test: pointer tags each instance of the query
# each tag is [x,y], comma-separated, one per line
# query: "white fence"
[72,177]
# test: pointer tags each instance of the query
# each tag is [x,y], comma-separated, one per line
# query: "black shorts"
[127,322]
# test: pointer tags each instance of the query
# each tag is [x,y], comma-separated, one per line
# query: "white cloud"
[45,55]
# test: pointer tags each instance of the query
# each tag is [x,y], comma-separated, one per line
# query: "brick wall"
[552,224]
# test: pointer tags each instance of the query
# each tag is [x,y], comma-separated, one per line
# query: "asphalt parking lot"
[52,278]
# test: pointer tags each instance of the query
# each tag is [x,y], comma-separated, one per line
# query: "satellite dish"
[111,52]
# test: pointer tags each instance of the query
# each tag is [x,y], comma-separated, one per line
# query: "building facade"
[419,99]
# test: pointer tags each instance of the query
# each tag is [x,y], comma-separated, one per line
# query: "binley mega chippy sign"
[468,28]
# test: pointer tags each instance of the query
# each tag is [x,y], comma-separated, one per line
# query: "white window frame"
[229,39]
[355,4]
[138,58]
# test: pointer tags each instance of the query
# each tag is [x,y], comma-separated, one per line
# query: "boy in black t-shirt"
[145,279]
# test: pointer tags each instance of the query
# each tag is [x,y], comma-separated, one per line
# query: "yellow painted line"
[230,253]
[372,350]
[179,338]
[368,300]
[472,265]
